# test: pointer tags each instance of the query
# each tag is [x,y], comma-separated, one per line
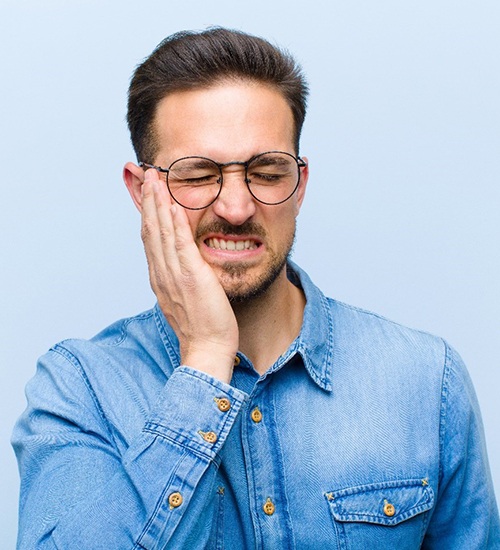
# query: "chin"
[241,287]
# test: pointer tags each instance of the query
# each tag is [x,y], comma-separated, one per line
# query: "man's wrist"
[214,363]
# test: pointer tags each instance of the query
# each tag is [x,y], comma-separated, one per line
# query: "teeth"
[221,244]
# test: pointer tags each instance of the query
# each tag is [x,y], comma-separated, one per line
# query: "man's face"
[244,241]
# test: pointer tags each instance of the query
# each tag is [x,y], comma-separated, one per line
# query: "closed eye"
[266,178]
[209,179]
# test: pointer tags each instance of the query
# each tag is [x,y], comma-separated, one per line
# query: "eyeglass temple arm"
[159,168]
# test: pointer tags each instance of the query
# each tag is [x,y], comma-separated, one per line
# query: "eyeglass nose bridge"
[243,163]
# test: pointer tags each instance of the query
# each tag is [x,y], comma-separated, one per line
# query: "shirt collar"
[314,343]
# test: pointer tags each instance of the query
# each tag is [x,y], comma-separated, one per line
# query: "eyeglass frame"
[220,165]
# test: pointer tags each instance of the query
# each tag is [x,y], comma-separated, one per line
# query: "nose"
[235,203]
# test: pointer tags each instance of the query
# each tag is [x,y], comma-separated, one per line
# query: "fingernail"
[173,208]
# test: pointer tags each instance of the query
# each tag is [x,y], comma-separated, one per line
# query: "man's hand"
[188,291]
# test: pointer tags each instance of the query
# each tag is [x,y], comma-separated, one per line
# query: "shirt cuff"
[196,411]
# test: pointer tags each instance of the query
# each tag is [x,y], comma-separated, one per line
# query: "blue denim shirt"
[363,435]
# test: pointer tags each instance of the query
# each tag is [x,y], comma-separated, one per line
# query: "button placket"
[265,469]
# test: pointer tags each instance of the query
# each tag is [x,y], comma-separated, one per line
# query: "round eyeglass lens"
[194,182]
[272,178]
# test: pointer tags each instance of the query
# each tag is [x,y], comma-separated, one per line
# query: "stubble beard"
[234,279]
[240,291]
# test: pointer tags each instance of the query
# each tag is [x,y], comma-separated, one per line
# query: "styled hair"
[194,60]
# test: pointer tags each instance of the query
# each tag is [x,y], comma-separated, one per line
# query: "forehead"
[227,121]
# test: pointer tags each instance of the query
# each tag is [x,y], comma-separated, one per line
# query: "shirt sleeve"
[466,514]
[79,492]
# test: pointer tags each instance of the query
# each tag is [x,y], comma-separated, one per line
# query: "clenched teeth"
[222,244]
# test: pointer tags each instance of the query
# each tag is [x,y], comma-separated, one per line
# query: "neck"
[269,323]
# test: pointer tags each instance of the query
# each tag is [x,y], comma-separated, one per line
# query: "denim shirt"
[363,435]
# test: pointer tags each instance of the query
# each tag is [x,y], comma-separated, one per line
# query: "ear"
[133,176]
[301,190]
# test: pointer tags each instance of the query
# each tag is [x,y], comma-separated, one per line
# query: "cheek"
[283,223]
[288,213]
[194,218]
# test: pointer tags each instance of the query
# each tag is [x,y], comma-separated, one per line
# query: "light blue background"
[403,138]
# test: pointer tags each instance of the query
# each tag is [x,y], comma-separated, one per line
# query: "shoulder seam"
[335,302]
[124,323]
[444,406]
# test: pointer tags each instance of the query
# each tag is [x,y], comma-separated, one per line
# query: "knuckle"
[157,279]
[147,229]
[181,242]
[165,233]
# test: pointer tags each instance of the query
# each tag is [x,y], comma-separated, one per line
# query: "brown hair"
[189,60]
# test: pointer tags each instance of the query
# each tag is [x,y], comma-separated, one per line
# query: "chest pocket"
[381,515]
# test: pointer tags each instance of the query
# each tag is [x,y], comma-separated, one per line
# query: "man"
[246,410]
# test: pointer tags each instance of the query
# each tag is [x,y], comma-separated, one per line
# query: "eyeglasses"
[196,182]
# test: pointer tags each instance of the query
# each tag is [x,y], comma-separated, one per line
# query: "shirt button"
[389,509]
[237,361]
[269,507]
[223,404]
[256,415]
[175,500]
[209,437]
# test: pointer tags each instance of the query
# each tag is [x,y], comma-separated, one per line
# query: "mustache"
[219,226]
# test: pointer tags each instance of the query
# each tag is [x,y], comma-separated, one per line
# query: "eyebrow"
[269,160]
[195,162]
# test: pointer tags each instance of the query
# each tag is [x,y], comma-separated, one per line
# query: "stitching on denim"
[124,326]
[325,302]
[380,520]
[228,417]
[66,354]
[205,378]
[381,317]
[250,468]
[219,524]
[426,515]
[443,408]
[171,350]
[413,510]
[425,524]
[323,381]
[181,441]
[416,482]
[159,503]
[281,487]
[424,504]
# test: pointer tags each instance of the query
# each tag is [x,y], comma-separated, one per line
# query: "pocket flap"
[386,503]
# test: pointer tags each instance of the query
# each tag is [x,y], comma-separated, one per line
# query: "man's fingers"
[186,249]
[148,207]
[150,231]
[163,204]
